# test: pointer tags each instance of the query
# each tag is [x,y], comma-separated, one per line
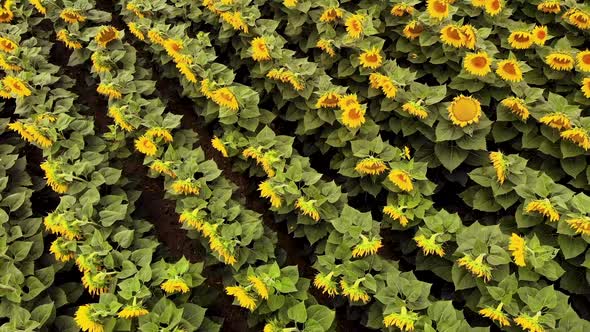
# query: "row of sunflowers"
[514,269]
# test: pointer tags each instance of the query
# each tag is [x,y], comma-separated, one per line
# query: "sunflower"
[106,35]
[578,136]
[478,3]
[353,117]
[396,213]
[517,247]
[468,32]
[174,49]
[186,187]
[6,14]
[354,291]
[308,208]
[290,3]
[132,311]
[331,15]
[64,37]
[580,19]
[109,90]
[39,6]
[370,166]
[402,9]
[163,167]
[464,111]
[241,294]
[580,225]
[100,62]
[404,320]
[158,132]
[386,84]
[259,49]
[528,323]
[402,179]
[371,58]
[59,250]
[156,37]
[186,71]
[286,76]
[325,283]
[499,164]
[429,246]
[146,146]
[540,34]
[438,9]
[556,120]
[87,319]
[476,266]
[549,7]
[544,208]
[259,286]
[583,60]
[517,106]
[268,191]
[119,117]
[53,177]
[136,31]
[520,40]
[496,314]
[134,9]
[509,70]
[478,64]
[493,7]
[235,20]
[7,45]
[16,86]
[560,61]
[452,35]
[326,46]
[175,285]
[328,100]
[224,97]
[354,26]
[586,87]
[366,247]
[413,29]
[96,283]
[218,145]
[71,15]
[416,109]
[4,64]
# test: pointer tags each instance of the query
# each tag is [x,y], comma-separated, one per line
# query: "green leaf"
[42,313]
[450,156]
[298,313]
[124,238]
[322,315]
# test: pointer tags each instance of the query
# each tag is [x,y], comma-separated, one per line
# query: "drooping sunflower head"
[529,323]
[371,58]
[402,9]
[499,164]
[331,14]
[549,7]
[132,311]
[186,187]
[544,208]
[402,179]
[244,299]
[109,90]
[452,35]
[404,320]
[560,61]
[517,106]
[478,64]
[146,145]
[88,319]
[429,245]
[520,40]
[354,26]
[96,282]
[464,111]
[586,87]
[578,136]
[328,100]
[438,9]
[476,266]
[366,247]
[219,145]
[413,29]
[71,15]
[469,35]
[268,191]
[509,70]
[580,224]
[326,46]
[416,109]
[517,247]
[326,284]
[354,292]
[106,35]
[224,97]
[163,167]
[175,285]
[478,3]
[540,34]
[496,314]
[556,120]
[259,286]
[307,208]
[580,19]
[348,101]
[60,248]
[370,166]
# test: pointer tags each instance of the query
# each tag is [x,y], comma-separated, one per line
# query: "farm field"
[294,165]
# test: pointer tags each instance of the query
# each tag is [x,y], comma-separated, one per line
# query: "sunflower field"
[294,165]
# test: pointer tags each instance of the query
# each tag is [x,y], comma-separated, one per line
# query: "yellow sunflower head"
[353,117]
[478,64]
[549,7]
[416,109]
[540,34]
[493,7]
[452,35]
[586,87]
[438,9]
[370,166]
[470,36]
[509,70]
[520,40]
[354,26]
[517,106]
[331,14]
[106,35]
[371,58]
[464,111]
[578,136]
[413,29]
[328,100]
[402,179]
[259,49]
[402,9]
[560,61]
